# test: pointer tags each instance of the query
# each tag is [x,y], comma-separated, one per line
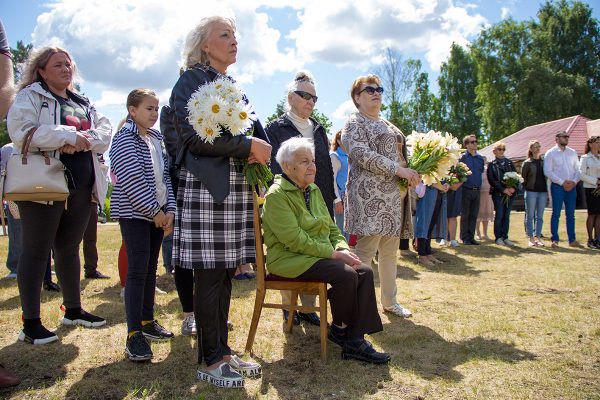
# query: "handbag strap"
[25,148]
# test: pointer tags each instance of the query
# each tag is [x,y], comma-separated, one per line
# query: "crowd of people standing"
[325,194]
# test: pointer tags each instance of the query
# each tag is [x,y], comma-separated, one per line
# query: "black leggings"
[424,244]
[184,282]
[45,227]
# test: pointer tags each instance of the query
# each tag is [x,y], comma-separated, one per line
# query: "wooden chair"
[265,281]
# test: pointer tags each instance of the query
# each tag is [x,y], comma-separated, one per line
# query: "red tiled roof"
[516,144]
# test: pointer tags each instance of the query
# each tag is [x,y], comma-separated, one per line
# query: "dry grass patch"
[490,323]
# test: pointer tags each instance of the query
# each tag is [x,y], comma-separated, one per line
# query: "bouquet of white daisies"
[219,108]
[511,180]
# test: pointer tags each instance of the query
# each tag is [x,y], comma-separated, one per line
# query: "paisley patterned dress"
[374,205]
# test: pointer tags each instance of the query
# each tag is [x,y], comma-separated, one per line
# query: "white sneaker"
[159,290]
[222,376]
[443,242]
[398,310]
[188,326]
[500,242]
[245,368]
[12,275]
[507,242]
[454,243]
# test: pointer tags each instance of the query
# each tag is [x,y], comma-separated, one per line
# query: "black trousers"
[45,227]
[142,241]
[90,237]
[352,295]
[468,214]
[211,311]
[184,282]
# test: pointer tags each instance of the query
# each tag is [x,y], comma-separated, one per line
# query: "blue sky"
[120,45]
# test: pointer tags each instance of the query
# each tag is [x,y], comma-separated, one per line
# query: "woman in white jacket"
[590,175]
[68,126]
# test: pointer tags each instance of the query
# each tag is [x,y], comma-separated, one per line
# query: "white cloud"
[341,114]
[343,32]
[505,12]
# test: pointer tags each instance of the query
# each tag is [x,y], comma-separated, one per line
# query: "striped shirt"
[134,193]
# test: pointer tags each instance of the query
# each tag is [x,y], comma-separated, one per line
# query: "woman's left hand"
[348,257]
[67,149]
[168,225]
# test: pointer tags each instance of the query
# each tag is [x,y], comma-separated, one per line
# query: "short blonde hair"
[38,59]
[362,80]
[195,39]
[531,144]
[496,146]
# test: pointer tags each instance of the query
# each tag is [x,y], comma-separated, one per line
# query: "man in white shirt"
[561,166]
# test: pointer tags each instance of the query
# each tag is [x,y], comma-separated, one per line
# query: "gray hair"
[301,76]
[290,147]
[192,49]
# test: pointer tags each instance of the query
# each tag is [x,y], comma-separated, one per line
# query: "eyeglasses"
[306,95]
[501,149]
[371,90]
[472,142]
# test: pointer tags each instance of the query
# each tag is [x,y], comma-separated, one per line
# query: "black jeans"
[502,215]
[45,227]
[468,214]
[184,282]
[352,295]
[90,237]
[211,300]
[142,240]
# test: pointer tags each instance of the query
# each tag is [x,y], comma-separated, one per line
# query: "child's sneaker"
[137,348]
[83,318]
[37,335]
[245,368]
[222,376]
[188,326]
[154,331]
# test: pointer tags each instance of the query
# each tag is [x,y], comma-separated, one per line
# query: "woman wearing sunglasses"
[375,210]
[297,122]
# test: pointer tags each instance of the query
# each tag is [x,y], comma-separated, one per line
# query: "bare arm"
[7,89]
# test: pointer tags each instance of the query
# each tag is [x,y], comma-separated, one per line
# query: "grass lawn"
[490,323]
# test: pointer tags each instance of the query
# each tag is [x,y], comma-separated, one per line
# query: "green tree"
[317,115]
[457,82]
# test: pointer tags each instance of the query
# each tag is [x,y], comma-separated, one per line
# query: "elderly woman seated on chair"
[304,242]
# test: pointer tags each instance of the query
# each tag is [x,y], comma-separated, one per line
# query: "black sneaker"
[363,351]
[137,348]
[286,313]
[37,335]
[82,318]
[312,318]
[50,286]
[154,331]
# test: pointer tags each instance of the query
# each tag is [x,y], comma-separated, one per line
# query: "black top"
[495,174]
[80,165]
[540,179]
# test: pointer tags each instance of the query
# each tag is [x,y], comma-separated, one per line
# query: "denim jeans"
[14,241]
[502,215]
[142,240]
[167,252]
[535,202]
[560,196]
[339,221]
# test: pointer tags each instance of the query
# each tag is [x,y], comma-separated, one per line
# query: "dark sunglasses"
[501,149]
[371,90]
[472,142]
[306,95]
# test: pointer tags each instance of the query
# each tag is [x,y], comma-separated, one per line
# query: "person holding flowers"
[219,139]
[373,209]
[503,188]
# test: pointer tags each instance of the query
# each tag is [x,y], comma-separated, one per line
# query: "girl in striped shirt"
[142,200]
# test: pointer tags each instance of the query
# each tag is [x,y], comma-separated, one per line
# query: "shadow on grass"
[453,264]
[300,374]
[420,349]
[24,361]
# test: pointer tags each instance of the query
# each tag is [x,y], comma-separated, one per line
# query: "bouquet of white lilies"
[432,155]
[220,107]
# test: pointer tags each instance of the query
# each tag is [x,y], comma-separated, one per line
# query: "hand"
[260,151]
[456,186]
[339,207]
[442,187]
[410,175]
[347,257]
[507,192]
[568,185]
[67,149]
[82,143]
[159,219]
[512,190]
[168,228]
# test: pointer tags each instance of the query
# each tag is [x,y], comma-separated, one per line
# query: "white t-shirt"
[158,167]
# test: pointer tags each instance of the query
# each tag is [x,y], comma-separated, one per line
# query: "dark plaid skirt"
[208,235]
